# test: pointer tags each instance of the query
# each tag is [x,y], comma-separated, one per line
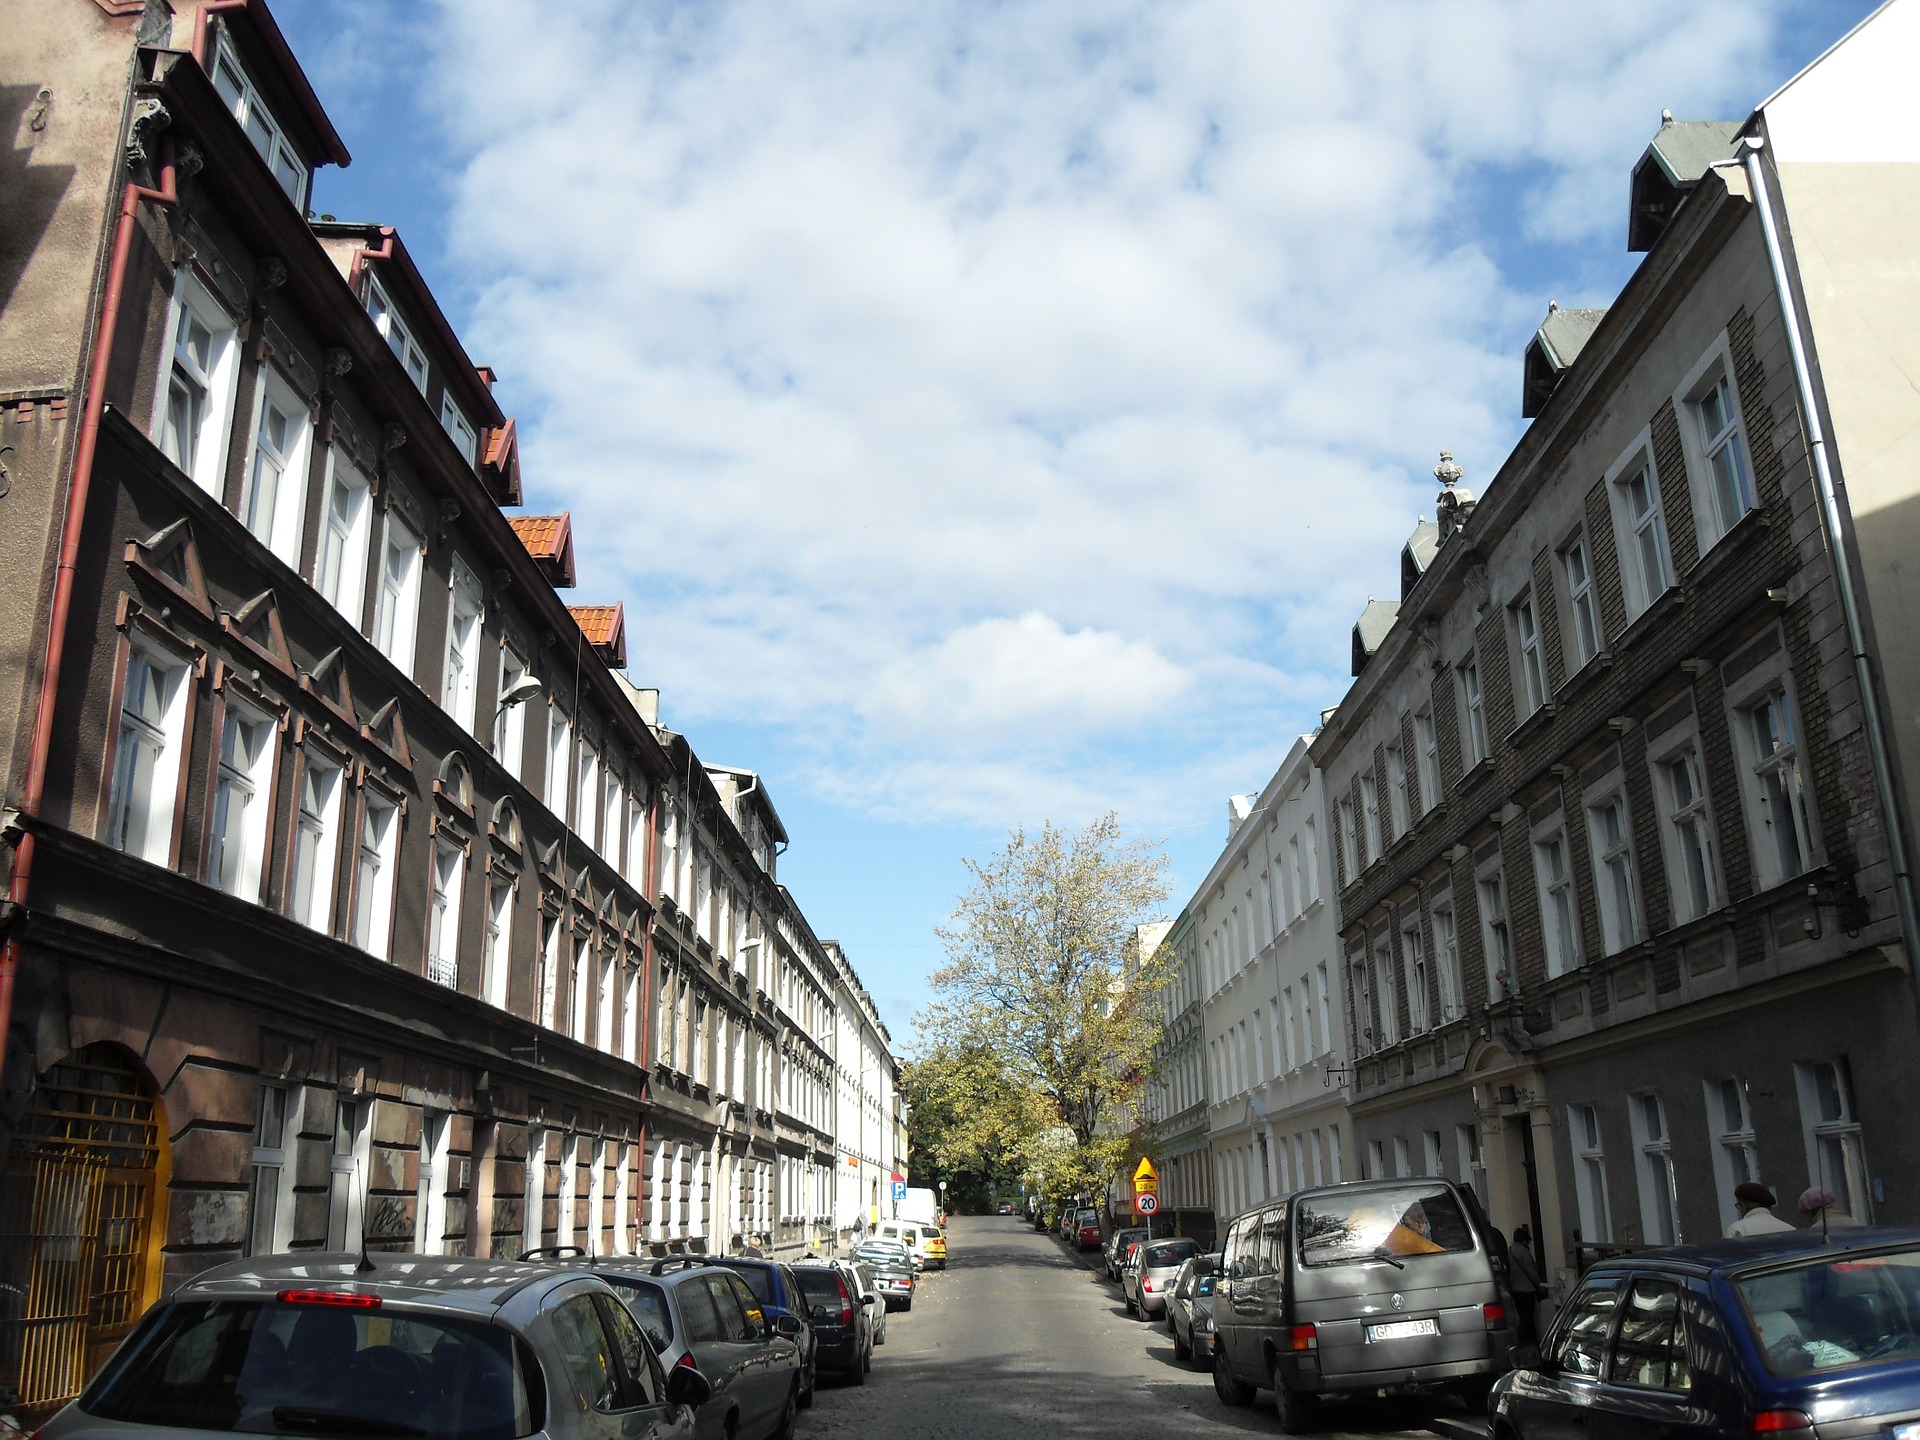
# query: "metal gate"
[77,1203]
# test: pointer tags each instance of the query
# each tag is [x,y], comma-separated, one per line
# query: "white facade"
[865,1163]
[1265,945]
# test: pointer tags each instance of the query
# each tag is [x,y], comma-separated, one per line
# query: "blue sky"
[993,411]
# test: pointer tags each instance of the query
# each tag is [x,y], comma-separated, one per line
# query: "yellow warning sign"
[1145,1177]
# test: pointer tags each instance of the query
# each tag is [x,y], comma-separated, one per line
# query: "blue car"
[1774,1337]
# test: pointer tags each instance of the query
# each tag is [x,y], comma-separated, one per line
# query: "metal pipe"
[1831,523]
[78,493]
[203,25]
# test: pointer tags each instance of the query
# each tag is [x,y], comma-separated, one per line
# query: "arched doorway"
[1516,1137]
[80,1230]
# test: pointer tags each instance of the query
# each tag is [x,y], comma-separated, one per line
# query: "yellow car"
[936,1243]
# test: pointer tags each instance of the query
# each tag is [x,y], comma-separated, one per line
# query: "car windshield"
[264,1368]
[1089,1217]
[881,1254]
[759,1280]
[1168,1254]
[1397,1224]
[1834,1311]
[821,1287]
[648,1302]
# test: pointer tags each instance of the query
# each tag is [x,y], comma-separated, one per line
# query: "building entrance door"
[79,1225]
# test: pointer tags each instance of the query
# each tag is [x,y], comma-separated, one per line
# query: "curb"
[1454,1427]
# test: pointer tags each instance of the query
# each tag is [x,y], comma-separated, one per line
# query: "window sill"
[1668,601]
[1599,665]
[1748,527]
[1533,724]
[1480,770]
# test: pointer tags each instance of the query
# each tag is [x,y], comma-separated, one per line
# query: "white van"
[909,1233]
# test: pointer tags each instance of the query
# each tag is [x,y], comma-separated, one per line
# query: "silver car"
[1190,1310]
[413,1345]
[1149,1275]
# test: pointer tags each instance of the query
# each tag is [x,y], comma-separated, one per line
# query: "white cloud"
[940,379]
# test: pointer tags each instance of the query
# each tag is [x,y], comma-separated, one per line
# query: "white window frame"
[1736,1148]
[447,883]
[1370,812]
[376,851]
[348,1170]
[1349,849]
[1614,866]
[1426,752]
[1473,708]
[397,604]
[234,85]
[314,863]
[435,1169]
[587,804]
[1689,841]
[1387,989]
[204,459]
[279,520]
[559,776]
[1590,1173]
[459,429]
[1576,567]
[1496,932]
[1359,969]
[1835,1142]
[395,331]
[1419,1008]
[499,943]
[237,845]
[547,998]
[1653,1162]
[510,721]
[1533,667]
[1559,904]
[1773,779]
[630,1017]
[1446,961]
[1641,535]
[535,1189]
[466,627]
[340,567]
[577,992]
[270,1205]
[1399,810]
[1722,496]
[604,999]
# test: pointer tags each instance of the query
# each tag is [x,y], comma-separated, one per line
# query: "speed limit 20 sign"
[1146,1203]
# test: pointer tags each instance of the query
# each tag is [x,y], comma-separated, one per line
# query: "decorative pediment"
[171,557]
[454,783]
[256,624]
[328,680]
[504,827]
[389,732]
[605,629]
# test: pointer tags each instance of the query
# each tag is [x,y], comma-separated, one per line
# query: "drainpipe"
[364,254]
[78,492]
[1831,525]
[203,25]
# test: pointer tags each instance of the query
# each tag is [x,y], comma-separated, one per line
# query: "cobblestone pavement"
[1021,1337]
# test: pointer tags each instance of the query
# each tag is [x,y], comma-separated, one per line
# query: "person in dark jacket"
[1523,1275]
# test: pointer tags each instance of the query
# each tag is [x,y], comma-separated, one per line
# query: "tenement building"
[1616,841]
[333,837]
[1171,1106]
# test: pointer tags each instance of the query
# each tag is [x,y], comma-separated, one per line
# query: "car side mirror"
[686,1386]
[786,1326]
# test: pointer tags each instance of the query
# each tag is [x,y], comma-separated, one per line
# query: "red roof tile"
[549,539]
[605,627]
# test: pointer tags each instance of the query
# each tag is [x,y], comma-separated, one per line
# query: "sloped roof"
[1417,554]
[1552,351]
[605,627]
[1668,169]
[549,539]
[1371,628]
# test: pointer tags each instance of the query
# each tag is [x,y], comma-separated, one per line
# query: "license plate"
[1907,1432]
[1406,1329]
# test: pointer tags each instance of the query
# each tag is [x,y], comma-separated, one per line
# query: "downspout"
[203,26]
[1831,525]
[364,254]
[78,493]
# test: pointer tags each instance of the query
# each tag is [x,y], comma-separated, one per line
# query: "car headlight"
[1203,1322]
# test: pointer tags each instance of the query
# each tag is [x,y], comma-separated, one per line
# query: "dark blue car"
[1774,1337]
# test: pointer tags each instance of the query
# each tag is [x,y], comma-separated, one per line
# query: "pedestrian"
[1822,1208]
[1523,1278]
[1754,1201]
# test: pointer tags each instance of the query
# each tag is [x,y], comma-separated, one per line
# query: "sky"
[998,411]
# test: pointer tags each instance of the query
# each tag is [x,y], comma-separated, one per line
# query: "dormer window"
[244,100]
[455,424]
[399,338]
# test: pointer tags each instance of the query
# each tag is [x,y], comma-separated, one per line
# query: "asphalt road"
[1020,1336]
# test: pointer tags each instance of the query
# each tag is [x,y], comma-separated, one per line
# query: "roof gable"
[549,539]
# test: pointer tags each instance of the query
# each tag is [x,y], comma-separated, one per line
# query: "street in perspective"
[801,717]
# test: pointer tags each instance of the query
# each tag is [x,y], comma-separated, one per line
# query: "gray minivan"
[1367,1286]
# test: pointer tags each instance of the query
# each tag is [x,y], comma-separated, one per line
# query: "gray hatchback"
[396,1345]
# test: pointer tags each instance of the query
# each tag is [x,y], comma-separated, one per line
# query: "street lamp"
[523,689]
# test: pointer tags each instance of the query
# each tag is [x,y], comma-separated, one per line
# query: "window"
[1466,1142]
[1581,599]
[603,1019]
[457,426]
[1473,704]
[398,337]
[1724,446]
[316,842]
[1612,841]
[559,762]
[499,943]
[1557,913]
[1402,1157]
[461,682]
[1648,571]
[1659,1201]
[1650,1349]
[1446,955]
[347,1177]
[1362,1006]
[1398,810]
[1533,670]
[510,721]
[273,499]
[1419,1014]
[398,614]
[587,812]
[637,843]
[237,89]
[577,990]
[1376,1160]
[1343,813]
[241,788]
[1387,988]
[199,396]
[430,1208]
[616,813]
[1427,756]
[1310,890]
[271,1207]
[146,762]
[1326,1022]
[1590,1179]
[340,574]
[373,880]
[443,918]
[1736,1152]
[1430,1144]
[1836,1153]
[536,1185]
[1783,835]
[1498,938]
[1581,1343]
[1690,834]
[1370,803]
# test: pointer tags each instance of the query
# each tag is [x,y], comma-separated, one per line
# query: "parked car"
[892,1269]
[913,1235]
[1149,1274]
[1190,1310]
[935,1240]
[702,1316]
[1083,1228]
[1005,1207]
[1784,1336]
[1368,1286]
[839,1319]
[1123,1240]
[416,1345]
[864,1284]
[774,1286]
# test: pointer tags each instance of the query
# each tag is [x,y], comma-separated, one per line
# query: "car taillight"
[348,1298]
[1780,1425]
[846,1312]
[1303,1337]
[685,1362]
[1495,1315]
[1146,1283]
